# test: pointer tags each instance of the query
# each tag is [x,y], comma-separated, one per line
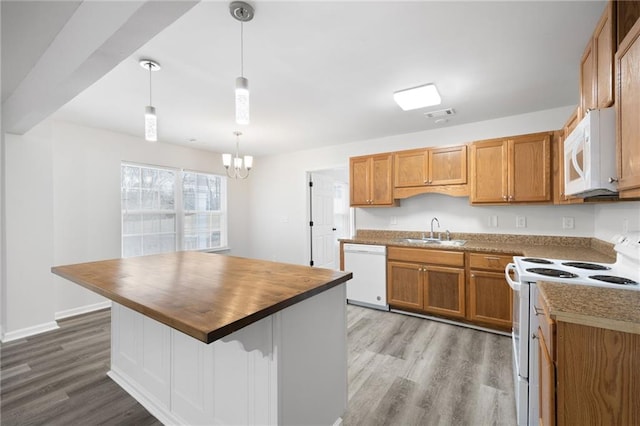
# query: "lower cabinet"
[426,281]
[587,374]
[490,297]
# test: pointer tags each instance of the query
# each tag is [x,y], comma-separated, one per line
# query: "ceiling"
[323,73]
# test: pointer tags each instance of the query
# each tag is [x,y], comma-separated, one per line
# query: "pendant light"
[150,118]
[234,164]
[242,12]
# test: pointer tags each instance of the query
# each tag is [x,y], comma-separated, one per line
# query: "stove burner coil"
[550,272]
[586,265]
[613,279]
[537,260]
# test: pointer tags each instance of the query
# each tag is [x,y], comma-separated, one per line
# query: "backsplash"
[457,215]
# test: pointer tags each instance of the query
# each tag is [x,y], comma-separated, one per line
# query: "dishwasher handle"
[365,248]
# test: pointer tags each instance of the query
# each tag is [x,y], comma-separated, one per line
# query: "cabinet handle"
[492,258]
[538,311]
[534,336]
[612,179]
[426,181]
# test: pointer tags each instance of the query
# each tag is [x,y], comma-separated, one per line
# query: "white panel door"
[324,235]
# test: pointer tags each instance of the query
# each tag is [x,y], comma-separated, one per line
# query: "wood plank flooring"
[402,371]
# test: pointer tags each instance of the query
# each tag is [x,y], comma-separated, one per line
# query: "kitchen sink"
[430,241]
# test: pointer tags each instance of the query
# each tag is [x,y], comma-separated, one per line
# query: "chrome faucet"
[438,222]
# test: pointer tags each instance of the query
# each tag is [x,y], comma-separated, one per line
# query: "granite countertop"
[569,248]
[613,309]
[206,296]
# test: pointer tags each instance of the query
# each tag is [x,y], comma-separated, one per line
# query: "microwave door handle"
[574,161]
[515,286]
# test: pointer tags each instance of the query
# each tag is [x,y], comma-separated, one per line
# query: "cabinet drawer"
[492,262]
[547,326]
[433,257]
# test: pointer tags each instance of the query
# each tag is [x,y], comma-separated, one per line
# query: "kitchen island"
[201,338]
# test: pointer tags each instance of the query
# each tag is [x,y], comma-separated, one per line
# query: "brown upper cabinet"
[371,179]
[511,170]
[596,66]
[431,170]
[627,114]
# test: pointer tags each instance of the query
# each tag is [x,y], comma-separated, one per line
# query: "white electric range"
[624,274]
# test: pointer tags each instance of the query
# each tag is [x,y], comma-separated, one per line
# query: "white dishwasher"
[368,263]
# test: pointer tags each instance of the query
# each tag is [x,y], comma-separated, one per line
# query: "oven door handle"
[515,286]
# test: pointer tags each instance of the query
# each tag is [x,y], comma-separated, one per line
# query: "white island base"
[289,368]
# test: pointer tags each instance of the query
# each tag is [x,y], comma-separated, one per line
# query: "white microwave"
[590,156]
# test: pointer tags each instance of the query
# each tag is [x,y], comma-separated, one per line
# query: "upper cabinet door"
[489,164]
[603,47]
[587,81]
[382,182]
[530,168]
[628,114]
[411,168]
[447,166]
[360,180]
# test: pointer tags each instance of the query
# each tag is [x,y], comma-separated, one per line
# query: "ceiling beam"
[96,38]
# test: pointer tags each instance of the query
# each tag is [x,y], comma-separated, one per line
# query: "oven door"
[520,339]
[520,330]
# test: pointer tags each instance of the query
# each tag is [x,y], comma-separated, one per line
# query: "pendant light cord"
[242,47]
[150,66]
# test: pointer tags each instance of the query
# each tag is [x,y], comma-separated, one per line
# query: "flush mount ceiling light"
[242,12]
[150,119]
[234,164]
[417,97]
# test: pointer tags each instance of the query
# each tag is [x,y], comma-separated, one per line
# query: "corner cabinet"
[426,281]
[371,181]
[627,114]
[442,170]
[511,170]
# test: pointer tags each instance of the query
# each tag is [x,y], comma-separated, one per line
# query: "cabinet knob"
[473,275]
[510,197]
[504,197]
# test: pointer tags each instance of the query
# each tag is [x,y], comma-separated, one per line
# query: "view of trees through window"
[165,210]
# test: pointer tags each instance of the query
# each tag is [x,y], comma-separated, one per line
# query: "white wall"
[279,225]
[616,218]
[63,206]
[30,291]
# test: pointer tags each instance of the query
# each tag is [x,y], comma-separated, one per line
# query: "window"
[204,211]
[161,215]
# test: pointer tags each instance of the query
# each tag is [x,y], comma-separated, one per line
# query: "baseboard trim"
[82,310]
[452,322]
[165,416]
[29,331]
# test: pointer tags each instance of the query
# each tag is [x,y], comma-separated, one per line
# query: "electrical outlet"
[567,222]
[493,221]
[625,225]
[521,221]
[394,220]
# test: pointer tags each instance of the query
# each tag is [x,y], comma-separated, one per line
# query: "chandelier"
[234,163]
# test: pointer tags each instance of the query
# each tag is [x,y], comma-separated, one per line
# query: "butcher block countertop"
[613,309]
[554,247]
[206,296]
